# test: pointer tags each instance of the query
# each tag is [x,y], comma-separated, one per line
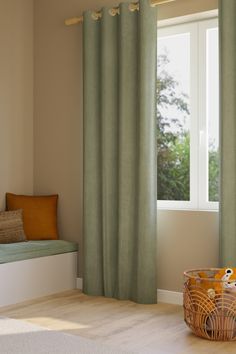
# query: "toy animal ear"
[228,271]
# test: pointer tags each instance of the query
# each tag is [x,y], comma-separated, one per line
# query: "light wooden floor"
[144,328]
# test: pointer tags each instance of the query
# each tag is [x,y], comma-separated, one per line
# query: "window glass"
[173,117]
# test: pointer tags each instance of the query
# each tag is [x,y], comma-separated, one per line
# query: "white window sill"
[187,206]
[195,210]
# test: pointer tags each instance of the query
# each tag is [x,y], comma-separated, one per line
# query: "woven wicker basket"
[210,314]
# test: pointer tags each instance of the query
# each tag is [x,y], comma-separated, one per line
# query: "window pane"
[173,118]
[212,85]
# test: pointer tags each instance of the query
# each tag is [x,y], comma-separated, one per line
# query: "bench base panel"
[37,277]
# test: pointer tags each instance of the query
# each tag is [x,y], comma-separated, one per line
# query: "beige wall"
[186,239]
[58,137]
[16,97]
[186,7]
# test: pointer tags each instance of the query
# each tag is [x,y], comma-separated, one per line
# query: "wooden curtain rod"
[134,6]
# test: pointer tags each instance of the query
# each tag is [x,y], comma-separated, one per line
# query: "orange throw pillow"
[39,215]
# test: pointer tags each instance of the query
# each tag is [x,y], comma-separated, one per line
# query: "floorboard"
[147,329]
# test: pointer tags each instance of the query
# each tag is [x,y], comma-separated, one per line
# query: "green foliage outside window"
[214,173]
[173,141]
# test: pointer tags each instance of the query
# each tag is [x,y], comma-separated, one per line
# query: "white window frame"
[198,111]
[203,178]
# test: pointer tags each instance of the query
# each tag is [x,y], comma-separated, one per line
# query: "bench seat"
[34,249]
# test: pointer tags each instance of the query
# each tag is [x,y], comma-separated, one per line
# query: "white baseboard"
[79,283]
[169,297]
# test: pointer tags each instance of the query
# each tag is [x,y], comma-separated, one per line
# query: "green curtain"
[227,27]
[120,153]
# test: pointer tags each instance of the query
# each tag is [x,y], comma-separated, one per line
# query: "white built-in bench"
[36,268]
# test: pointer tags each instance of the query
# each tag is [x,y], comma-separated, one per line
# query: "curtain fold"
[227,28]
[120,153]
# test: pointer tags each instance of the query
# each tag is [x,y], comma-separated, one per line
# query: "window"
[188,116]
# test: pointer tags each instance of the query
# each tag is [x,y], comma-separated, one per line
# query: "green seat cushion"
[19,251]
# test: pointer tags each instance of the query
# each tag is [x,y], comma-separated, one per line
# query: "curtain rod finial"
[73,20]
